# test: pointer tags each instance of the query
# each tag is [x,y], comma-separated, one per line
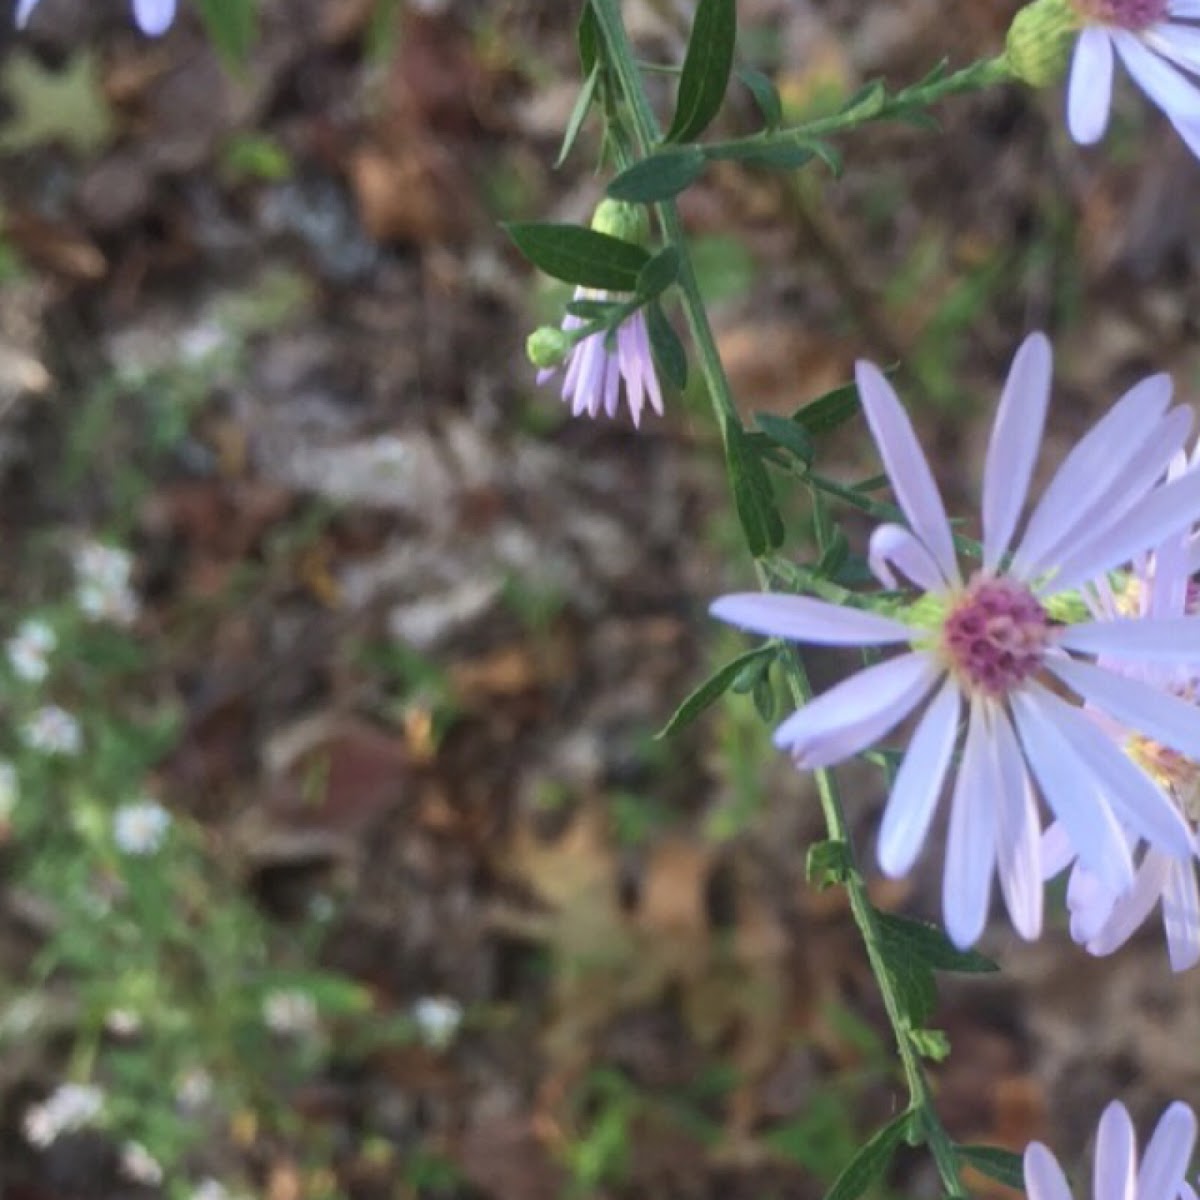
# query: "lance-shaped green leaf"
[658,274]
[920,940]
[783,155]
[712,689]
[706,69]
[669,354]
[869,1164]
[765,94]
[913,950]
[752,495]
[1002,1165]
[789,434]
[588,39]
[826,413]
[659,177]
[583,105]
[580,256]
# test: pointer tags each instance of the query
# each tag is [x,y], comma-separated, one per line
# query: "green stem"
[875,106]
[646,135]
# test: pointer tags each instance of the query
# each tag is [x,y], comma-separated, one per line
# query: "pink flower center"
[995,635]
[1127,14]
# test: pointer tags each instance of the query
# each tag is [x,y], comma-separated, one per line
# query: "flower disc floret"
[994,638]
[1125,14]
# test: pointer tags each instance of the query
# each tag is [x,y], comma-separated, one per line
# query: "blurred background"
[337,855]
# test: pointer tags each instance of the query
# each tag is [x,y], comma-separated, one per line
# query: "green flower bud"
[1038,49]
[548,347]
[618,219]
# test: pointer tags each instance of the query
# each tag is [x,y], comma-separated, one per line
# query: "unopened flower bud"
[547,347]
[618,219]
[1038,48]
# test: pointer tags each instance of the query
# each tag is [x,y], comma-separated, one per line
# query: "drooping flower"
[1159,49]
[1116,1174]
[989,643]
[1103,920]
[153,17]
[141,828]
[597,365]
[29,650]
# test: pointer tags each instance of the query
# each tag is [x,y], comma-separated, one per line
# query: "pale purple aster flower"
[153,17]
[985,645]
[1103,920]
[1116,1174]
[1159,50]
[598,364]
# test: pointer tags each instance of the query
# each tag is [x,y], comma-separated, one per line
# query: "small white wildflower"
[30,649]
[10,790]
[139,1165]
[438,1019]
[141,828]
[104,591]
[194,1089]
[290,1013]
[123,1022]
[52,730]
[70,1107]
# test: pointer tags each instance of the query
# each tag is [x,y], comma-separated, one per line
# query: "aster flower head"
[1117,1174]
[986,646]
[598,364]
[153,17]
[1158,41]
[69,1108]
[1102,919]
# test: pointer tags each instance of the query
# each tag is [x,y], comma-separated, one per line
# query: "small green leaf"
[751,675]
[927,943]
[784,156]
[752,495]
[659,177]
[867,102]
[668,350]
[596,310]
[580,256]
[658,274]
[835,553]
[1002,1165]
[827,864]
[711,690]
[765,94]
[789,434]
[869,1164]
[827,412]
[764,698]
[232,25]
[829,156]
[579,113]
[587,38]
[706,69]
[932,1044]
